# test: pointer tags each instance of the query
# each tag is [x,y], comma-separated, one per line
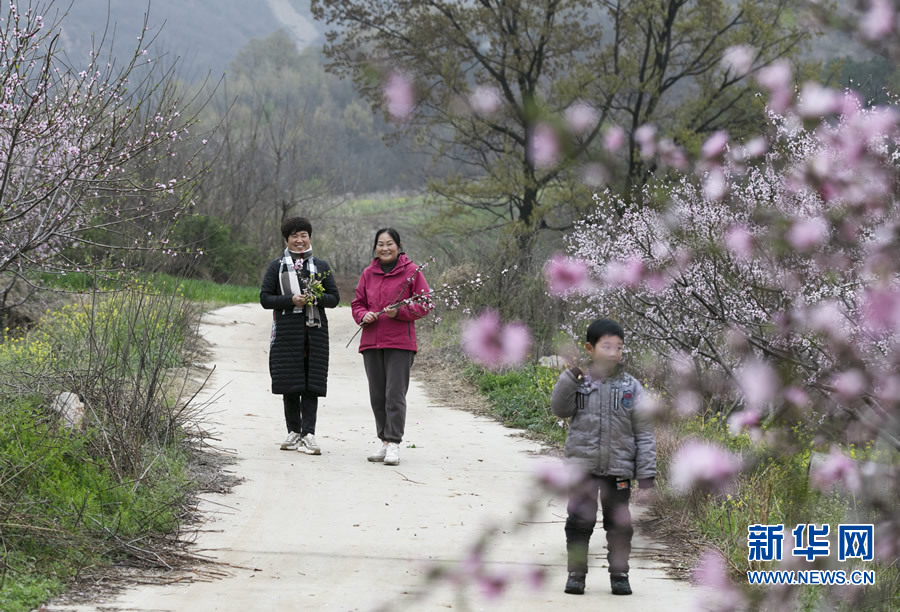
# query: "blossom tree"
[791,267]
[767,287]
[82,149]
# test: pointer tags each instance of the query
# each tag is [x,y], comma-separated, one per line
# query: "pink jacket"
[375,291]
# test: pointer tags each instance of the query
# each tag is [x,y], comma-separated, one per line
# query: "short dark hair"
[295,224]
[604,327]
[392,233]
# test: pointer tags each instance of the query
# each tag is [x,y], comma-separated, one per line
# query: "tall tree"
[496,80]
[291,138]
[86,153]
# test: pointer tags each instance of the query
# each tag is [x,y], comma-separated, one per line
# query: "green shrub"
[64,507]
[521,398]
[224,257]
[71,499]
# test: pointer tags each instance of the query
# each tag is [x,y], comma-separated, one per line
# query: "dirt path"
[335,532]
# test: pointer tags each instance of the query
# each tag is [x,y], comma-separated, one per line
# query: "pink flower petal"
[777,78]
[614,138]
[645,137]
[715,186]
[879,20]
[816,101]
[558,477]
[714,145]
[850,385]
[485,100]
[626,273]
[581,117]
[400,96]
[838,469]
[545,147]
[739,58]
[702,465]
[493,345]
[746,419]
[564,274]
[758,383]
[807,234]
[712,573]
[739,241]
[881,309]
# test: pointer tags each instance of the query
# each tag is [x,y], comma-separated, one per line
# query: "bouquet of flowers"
[311,286]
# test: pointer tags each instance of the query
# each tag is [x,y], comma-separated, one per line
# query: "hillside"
[204,34]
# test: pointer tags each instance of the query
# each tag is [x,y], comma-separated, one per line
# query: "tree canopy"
[502,86]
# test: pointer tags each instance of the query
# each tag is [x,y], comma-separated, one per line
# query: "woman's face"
[386,249]
[298,241]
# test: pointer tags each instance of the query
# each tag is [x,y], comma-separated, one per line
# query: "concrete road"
[335,532]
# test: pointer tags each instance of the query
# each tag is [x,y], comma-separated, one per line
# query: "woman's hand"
[299,299]
[369,318]
[392,311]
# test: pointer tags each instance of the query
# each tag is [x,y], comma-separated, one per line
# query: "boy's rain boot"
[575,583]
[619,583]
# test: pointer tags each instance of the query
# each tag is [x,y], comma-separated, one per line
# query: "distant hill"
[204,34]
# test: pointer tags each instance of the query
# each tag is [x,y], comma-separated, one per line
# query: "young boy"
[613,443]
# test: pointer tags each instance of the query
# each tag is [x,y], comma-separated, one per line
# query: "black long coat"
[298,355]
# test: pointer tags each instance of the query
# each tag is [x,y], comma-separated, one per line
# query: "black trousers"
[615,494]
[300,413]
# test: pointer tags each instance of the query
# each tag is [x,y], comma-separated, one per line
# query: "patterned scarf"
[290,283]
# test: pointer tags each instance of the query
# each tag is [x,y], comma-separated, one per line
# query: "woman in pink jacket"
[388,342]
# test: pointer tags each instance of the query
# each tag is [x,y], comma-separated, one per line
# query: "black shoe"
[575,583]
[619,584]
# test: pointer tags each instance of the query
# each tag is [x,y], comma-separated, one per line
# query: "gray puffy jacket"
[607,436]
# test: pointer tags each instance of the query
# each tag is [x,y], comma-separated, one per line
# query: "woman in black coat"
[298,351]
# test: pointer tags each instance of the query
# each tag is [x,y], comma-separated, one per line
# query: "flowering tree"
[81,149]
[768,287]
[790,268]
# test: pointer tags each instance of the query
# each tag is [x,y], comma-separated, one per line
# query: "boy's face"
[607,349]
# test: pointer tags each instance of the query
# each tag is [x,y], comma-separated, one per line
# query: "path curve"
[335,532]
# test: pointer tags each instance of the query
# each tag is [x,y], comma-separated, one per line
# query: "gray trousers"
[388,374]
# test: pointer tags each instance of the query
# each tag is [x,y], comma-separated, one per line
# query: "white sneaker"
[291,442]
[392,454]
[308,445]
[378,455]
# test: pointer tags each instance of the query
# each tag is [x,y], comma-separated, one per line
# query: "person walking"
[298,287]
[388,342]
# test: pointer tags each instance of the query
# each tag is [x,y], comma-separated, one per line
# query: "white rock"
[70,409]
[553,361]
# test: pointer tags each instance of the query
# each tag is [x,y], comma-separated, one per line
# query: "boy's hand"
[572,356]
[644,497]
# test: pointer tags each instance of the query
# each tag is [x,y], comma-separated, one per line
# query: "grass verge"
[211,293]
[105,491]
